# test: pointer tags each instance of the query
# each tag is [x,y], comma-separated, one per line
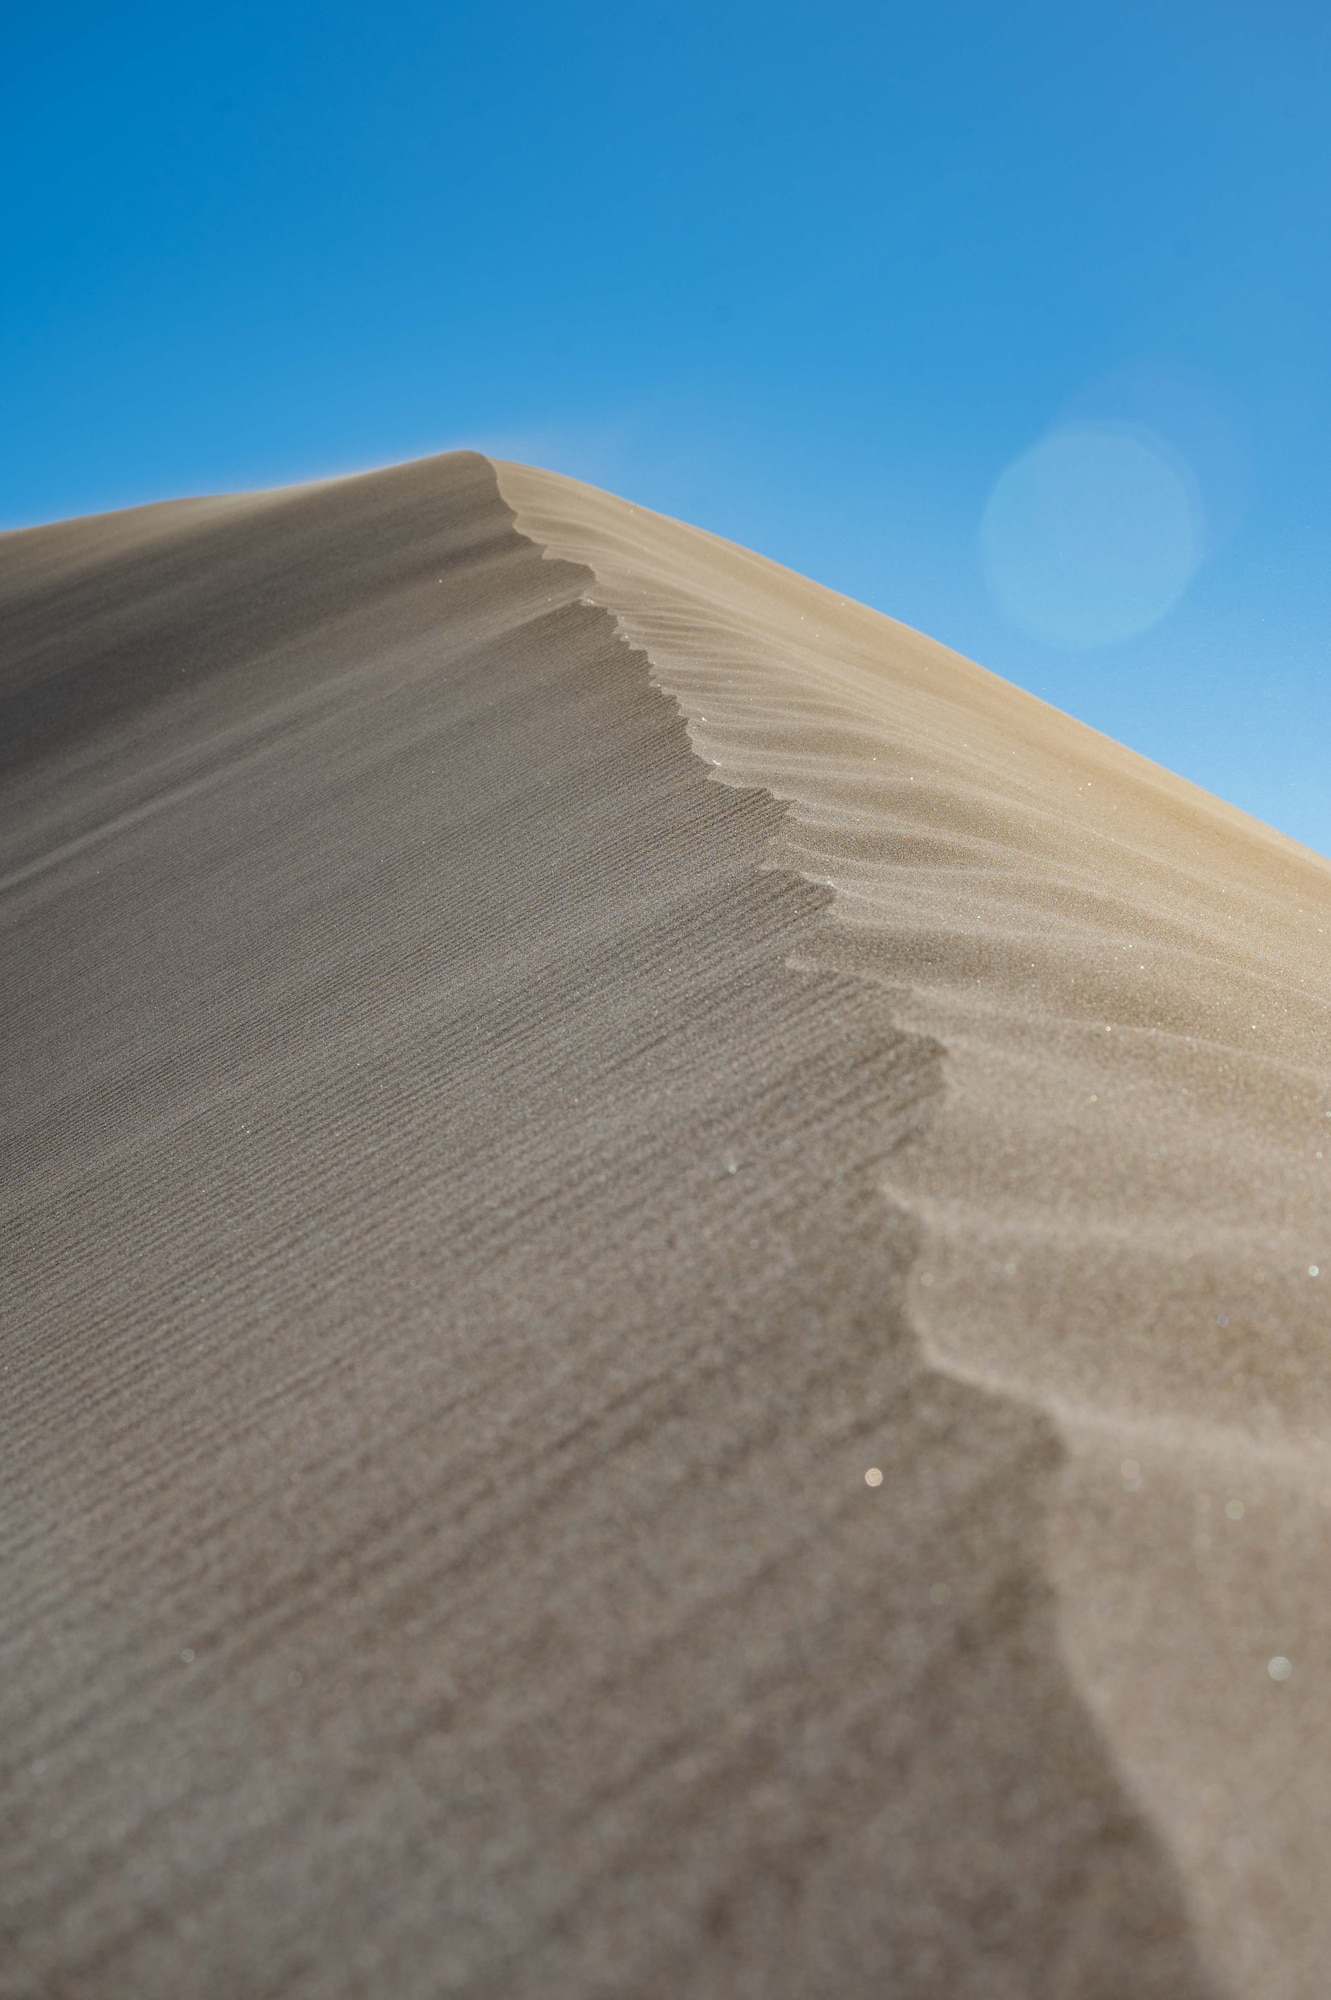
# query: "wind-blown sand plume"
[478,1190]
[1126,1195]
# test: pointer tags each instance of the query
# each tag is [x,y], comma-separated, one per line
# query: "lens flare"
[1092,535]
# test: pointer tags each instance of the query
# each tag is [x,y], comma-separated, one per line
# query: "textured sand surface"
[480,1192]
[1125,1196]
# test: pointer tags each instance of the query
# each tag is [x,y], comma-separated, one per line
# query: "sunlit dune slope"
[1125,1195]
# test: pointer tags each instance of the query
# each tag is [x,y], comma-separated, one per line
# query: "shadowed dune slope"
[471,1182]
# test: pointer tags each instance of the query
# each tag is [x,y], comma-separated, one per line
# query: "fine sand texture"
[540,1047]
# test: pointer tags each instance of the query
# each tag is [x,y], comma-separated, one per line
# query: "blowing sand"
[482,1193]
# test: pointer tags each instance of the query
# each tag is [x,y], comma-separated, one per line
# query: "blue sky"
[817,277]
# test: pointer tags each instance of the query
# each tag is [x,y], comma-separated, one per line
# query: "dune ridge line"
[1125,1194]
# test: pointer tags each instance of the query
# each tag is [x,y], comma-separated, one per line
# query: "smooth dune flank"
[541,1048]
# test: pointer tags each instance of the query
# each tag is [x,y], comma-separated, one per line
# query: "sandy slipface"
[1125,1193]
[484,1193]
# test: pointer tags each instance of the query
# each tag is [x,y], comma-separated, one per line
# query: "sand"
[541,1047]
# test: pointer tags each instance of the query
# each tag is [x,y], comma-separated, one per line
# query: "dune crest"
[1125,1193]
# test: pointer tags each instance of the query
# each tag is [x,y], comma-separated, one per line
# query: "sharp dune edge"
[1128,1190]
[482,1191]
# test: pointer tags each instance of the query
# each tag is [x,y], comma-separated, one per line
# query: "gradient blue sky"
[811,276]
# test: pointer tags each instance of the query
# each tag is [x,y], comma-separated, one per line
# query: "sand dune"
[483,1191]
